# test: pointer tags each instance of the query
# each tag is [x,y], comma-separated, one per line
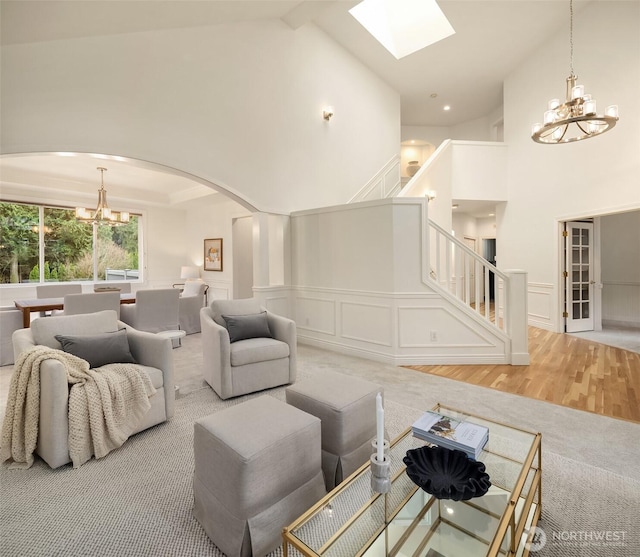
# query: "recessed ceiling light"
[455,206]
[446,107]
[492,214]
[403,27]
[433,95]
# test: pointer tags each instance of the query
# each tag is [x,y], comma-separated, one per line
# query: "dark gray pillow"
[241,327]
[99,350]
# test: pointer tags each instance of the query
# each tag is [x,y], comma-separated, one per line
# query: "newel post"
[517,318]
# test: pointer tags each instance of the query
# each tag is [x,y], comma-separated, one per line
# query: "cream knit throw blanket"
[105,406]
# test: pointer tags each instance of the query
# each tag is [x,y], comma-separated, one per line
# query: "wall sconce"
[327,113]
[430,194]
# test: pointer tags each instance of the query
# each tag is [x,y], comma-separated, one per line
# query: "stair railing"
[460,272]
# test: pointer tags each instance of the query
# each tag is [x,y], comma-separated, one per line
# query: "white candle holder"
[380,471]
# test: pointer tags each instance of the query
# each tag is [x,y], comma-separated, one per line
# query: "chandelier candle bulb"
[554,103]
[589,107]
[612,111]
[577,92]
[549,116]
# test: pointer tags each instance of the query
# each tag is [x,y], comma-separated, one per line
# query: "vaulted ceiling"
[465,71]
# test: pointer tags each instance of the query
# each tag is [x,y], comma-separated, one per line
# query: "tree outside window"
[69,248]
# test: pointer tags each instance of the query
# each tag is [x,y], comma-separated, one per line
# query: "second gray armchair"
[246,348]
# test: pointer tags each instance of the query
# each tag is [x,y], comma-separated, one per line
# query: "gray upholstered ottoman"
[257,468]
[346,407]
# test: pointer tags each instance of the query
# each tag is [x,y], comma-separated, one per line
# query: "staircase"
[458,272]
[476,295]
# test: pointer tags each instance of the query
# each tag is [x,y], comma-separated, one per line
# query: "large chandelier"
[576,118]
[102,214]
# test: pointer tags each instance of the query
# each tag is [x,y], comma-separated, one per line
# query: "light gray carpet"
[137,501]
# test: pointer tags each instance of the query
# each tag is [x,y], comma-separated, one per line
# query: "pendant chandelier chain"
[571,35]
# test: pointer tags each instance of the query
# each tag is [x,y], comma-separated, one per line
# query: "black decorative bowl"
[447,473]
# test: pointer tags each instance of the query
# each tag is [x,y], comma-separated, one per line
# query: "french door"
[579,283]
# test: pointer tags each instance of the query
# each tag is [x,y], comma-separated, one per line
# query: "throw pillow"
[241,327]
[99,350]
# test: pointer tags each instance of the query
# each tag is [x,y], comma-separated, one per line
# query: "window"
[42,244]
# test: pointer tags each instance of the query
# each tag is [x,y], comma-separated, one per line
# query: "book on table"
[444,431]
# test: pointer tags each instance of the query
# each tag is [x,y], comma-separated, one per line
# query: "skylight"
[403,26]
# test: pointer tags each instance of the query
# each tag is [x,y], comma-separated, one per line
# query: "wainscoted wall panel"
[427,327]
[374,191]
[315,315]
[278,305]
[621,302]
[541,302]
[218,290]
[391,181]
[394,327]
[385,182]
[370,323]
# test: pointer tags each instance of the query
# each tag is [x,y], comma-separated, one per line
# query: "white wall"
[242,236]
[164,241]
[479,129]
[212,219]
[620,247]
[473,130]
[548,183]
[238,104]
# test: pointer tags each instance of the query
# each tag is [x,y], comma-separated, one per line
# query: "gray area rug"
[137,501]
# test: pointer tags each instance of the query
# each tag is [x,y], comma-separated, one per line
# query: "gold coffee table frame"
[351,518]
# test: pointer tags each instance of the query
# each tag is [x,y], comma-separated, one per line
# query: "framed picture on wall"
[213,254]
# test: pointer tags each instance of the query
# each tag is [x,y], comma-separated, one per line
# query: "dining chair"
[154,310]
[75,304]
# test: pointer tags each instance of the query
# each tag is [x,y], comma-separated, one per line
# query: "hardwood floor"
[564,370]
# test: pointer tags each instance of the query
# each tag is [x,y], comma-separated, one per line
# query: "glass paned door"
[579,281]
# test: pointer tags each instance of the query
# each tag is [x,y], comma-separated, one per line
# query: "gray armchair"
[155,310]
[190,303]
[151,352]
[249,364]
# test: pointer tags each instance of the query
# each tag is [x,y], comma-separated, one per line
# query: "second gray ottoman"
[346,407]
[257,468]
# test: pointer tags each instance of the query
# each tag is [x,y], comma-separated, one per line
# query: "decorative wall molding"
[383,184]
[375,326]
[321,310]
[440,327]
[370,318]
[541,305]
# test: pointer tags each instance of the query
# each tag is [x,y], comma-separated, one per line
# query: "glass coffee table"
[353,520]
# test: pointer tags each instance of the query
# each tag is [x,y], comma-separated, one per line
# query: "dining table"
[48,304]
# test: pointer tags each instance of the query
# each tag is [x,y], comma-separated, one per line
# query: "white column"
[517,317]
[260,249]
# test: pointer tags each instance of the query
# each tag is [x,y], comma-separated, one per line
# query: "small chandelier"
[576,118]
[102,213]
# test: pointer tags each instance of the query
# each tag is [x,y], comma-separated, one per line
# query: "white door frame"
[596,271]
